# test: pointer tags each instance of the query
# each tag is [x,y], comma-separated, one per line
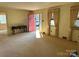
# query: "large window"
[2,19]
[76,23]
[52,20]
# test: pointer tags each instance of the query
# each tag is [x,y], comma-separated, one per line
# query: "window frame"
[1,21]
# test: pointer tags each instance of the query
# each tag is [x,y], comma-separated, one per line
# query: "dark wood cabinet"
[19,29]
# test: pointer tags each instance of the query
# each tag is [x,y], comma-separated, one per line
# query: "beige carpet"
[26,44]
[3,33]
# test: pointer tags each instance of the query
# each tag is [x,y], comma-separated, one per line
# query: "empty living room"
[39,29]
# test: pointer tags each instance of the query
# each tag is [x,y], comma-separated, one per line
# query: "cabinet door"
[75,35]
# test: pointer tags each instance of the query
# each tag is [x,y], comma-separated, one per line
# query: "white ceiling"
[31,5]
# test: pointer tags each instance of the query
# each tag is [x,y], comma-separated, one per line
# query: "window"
[52,20]
[2,19]
[76,23]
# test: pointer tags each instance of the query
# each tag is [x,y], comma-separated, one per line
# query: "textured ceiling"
[31,5]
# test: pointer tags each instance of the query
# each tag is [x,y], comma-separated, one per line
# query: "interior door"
[31,23]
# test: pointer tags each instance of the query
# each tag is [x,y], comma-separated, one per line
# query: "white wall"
[64,23]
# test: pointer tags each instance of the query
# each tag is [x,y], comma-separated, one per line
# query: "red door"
[31,23]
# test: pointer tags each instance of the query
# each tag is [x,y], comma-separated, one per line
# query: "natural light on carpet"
[38,34]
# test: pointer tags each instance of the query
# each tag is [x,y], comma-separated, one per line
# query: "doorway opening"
[3,25]
[38,23]
[35,24]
